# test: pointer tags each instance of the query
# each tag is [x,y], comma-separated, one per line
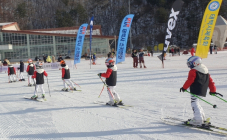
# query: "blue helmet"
[194,61]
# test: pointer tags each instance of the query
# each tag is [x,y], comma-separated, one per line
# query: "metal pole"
[115,45]
[130,34]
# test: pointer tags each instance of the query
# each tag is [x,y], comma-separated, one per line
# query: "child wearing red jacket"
[39,76]
[198,80]
[192,51]
[30,70]
[11,73]
[111,80]
[66,77]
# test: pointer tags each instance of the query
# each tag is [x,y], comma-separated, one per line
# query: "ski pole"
[101,91]
[107,88]
[48,86]
[218,97]
[214,106]
[75,83]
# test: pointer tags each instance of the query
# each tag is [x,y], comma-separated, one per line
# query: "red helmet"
[29,60]
[111,61]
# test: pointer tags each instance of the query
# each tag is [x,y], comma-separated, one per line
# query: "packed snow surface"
[153,93]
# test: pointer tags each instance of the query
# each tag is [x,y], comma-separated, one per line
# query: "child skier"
[21,68]
[30,71]
[141,58]
[11,73]
[111,80]
[198,80]
[39,76]
[94,57]
[66,76]
[135,58]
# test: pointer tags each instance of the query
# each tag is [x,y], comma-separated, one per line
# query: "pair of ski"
[119,106]
[180,122]
[39,100]
[67,90]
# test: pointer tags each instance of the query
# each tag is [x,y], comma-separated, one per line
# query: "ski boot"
[14,81]
[34,97]
[23,79]
[29,85]
[206,123]
[140,66]
[74,89]
[20,80]
[10,82]
[120,103]
[111,103]
[193,122]
[145,67]
[65,89]
[43,96]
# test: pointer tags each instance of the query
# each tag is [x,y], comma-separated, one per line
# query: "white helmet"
[194,61]
[29,60]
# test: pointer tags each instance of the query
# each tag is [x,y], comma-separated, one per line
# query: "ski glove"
[215,93]
[99,74]
[182,89]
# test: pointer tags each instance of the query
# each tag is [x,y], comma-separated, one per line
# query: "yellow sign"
[207,28]
[155,48]
[160,46]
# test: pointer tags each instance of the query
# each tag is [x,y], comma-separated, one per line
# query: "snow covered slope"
[154,92]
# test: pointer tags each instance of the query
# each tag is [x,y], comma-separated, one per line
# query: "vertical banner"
[175,11]
[79,43]
[91,29]
[207,28]
[123,38]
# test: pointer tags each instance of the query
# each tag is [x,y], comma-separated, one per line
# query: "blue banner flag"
[79,43]
[123,38]
[91,29]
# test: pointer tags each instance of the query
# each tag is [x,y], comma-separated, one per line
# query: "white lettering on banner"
[171,26]
[174,14]
[169,35]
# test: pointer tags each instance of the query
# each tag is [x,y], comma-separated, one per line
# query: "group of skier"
[198,81]
[138,57]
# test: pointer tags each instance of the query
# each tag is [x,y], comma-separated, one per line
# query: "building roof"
[64,31]
[57,34]
[70,30]
[9,26]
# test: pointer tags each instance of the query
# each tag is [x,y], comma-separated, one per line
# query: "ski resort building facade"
[16,44]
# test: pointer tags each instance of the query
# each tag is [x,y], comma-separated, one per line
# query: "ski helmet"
[110,63]
[194,61]
[29,60]
[62,63]
[107,61]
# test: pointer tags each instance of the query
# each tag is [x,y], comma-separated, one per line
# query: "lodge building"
[16,44]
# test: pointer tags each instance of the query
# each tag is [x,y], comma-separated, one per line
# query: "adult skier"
[30,70]
[21,68]
[11,73]
[66,77]
[111,80]
[198,80]
[39,76]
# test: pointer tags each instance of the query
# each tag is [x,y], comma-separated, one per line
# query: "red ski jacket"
[192,77]
[13,70]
